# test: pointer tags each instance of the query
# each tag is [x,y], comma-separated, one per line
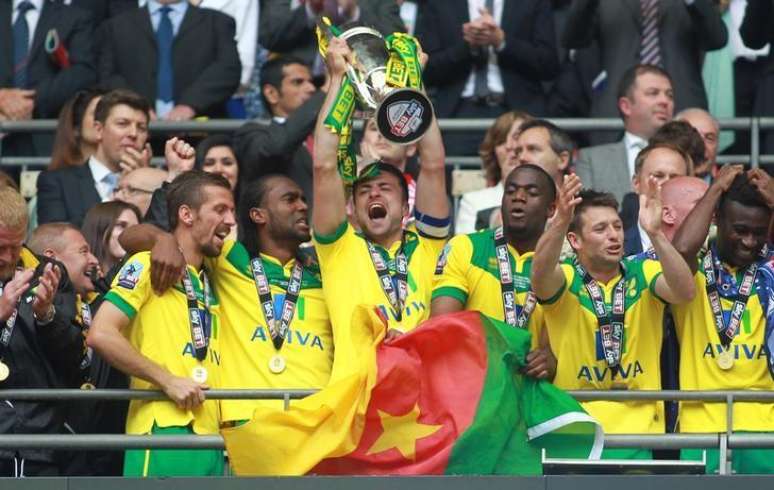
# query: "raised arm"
[329,210]
[692,233]
[547,277]
[431,183]
[105,337]
[676,284]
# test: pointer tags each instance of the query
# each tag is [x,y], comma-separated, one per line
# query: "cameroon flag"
[446,398]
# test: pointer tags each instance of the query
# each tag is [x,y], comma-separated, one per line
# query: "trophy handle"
[404,116]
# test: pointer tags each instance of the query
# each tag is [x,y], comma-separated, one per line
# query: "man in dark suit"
[121,122]
[182,58]
[756,31]
[673,34]
[290,31]
[34,84]
[285,145]
[486,57]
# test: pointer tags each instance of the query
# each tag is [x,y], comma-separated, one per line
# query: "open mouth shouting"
[377,211]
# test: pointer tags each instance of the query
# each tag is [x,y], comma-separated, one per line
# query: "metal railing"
[754,124]
[725,442]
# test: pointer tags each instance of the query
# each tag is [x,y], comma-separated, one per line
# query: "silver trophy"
[402,114]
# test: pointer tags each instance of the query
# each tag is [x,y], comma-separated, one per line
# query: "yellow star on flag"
[402,432]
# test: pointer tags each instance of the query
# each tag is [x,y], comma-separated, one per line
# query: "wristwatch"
[48,318]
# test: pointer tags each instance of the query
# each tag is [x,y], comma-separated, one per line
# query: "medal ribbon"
[712,267]
[86,320]
[267,304]
[199,321]
[507,288]
[611,326]
[396,299]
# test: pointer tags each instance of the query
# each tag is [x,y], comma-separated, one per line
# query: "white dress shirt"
[32,16]
[105,181]
[644,238]
[474,202]
[633,144]
[494,79]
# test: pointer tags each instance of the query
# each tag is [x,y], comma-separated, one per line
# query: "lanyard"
[506,285]
[267,305]
[8,328]
[611,326]
[397,300]
[199,320]
[727,332]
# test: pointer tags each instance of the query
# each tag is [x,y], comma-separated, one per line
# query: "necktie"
[110,180]
[164,38]
[21,45]
[481,64]
[650,51]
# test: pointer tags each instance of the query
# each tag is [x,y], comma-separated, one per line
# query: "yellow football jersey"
[308,345]
[575,339]
[467,271]
[350,279]
[160,331]
[699,348]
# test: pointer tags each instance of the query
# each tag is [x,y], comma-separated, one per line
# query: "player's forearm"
[546,276]
[691,235]
[677,274]
[141,238]
[432,154]
[117,351]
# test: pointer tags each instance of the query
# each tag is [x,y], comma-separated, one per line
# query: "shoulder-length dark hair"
[67,140]
[98,226]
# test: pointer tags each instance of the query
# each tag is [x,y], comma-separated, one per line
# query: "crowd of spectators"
[107,234]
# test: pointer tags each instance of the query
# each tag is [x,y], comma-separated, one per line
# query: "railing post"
[755,142]
[726,460]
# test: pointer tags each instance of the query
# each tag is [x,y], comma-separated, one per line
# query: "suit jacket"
[604,168]
[632,242]
[66,195]
[756,31]
[206,67]
[53,85]
[279,147]
[685,33]
[287,31]
[529,55]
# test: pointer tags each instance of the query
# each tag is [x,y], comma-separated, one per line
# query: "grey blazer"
[685,33]
[604,168]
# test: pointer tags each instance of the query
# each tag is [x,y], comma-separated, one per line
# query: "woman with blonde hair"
[497,160]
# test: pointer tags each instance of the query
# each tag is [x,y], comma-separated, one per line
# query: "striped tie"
[650,51]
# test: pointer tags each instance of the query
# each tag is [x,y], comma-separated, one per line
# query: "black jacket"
[40,356]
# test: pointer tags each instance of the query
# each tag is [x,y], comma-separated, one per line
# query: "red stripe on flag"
[439,369]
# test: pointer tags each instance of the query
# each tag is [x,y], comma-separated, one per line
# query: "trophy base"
[404,116]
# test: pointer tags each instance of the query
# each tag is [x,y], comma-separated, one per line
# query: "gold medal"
[199,374]
[4,371]
[277,364]
[725,360]
[88,386]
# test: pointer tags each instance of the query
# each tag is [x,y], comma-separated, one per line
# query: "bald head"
[709,129]
[137,186]
[678,197]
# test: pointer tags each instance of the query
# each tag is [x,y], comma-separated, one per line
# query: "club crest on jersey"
[130,275]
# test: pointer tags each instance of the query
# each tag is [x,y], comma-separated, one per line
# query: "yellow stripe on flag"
[324,425]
